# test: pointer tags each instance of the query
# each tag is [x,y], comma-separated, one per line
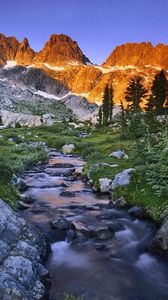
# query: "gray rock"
[122,178]
[10,289]
[136,211]
[105,185]
[24,249]
[119,154]
[120,203]
[10,119]
[4,250]
[159,244]
[61,224]
[101,233]
[67,149]
[21,268]
[21,248]
[80,229]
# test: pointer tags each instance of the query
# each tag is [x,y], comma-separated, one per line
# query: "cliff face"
[62,59]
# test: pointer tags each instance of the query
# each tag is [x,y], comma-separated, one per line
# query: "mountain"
[8,48]
[61,50]
[139,54]
[30,92]
[24,55]
[63,61]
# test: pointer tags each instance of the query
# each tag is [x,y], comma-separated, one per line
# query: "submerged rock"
[120,203]
[61,224]
[136,211]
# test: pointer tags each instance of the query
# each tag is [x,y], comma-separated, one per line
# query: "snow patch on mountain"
[115,68]
[51,96]
[54,68]
[10,64]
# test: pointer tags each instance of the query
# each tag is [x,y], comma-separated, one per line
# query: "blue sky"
[97,25]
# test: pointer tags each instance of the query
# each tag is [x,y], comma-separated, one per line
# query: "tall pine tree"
[159,92]
[135,93]
[111,103]
[100,116]
[105,105]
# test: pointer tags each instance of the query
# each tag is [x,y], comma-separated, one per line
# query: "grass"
[95,148]
[15,159]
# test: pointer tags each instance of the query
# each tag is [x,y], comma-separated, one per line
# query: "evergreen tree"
[157,101]
[111,103]
[134,94]
[122,121]
[106,105]
[100,117]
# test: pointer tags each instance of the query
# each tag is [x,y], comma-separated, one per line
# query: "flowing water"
[118,268]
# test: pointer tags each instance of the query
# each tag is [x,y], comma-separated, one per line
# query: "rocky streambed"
[97,251]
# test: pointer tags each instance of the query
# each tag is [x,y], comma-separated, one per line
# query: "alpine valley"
[61,81]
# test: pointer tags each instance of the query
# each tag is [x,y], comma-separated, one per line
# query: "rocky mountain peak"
[61,50]
[25,55]
[139,55]
[8,48]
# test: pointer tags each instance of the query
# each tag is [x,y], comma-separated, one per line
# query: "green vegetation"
[157,101]
[140,135]
[15,159]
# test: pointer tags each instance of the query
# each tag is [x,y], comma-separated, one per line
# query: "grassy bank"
[95,148]
[15,158]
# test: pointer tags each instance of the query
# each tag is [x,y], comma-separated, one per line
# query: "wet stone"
[62,224]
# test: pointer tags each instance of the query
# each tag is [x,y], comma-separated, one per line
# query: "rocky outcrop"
[60,50]
[11,119]
[22,247]
[159,244]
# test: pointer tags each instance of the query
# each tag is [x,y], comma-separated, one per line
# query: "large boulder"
[97,232]
[105,185]
[159,244]
[119,154]
[69,148]
[22,246]
[122,178]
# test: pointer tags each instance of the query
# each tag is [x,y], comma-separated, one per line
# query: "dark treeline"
[156,99]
